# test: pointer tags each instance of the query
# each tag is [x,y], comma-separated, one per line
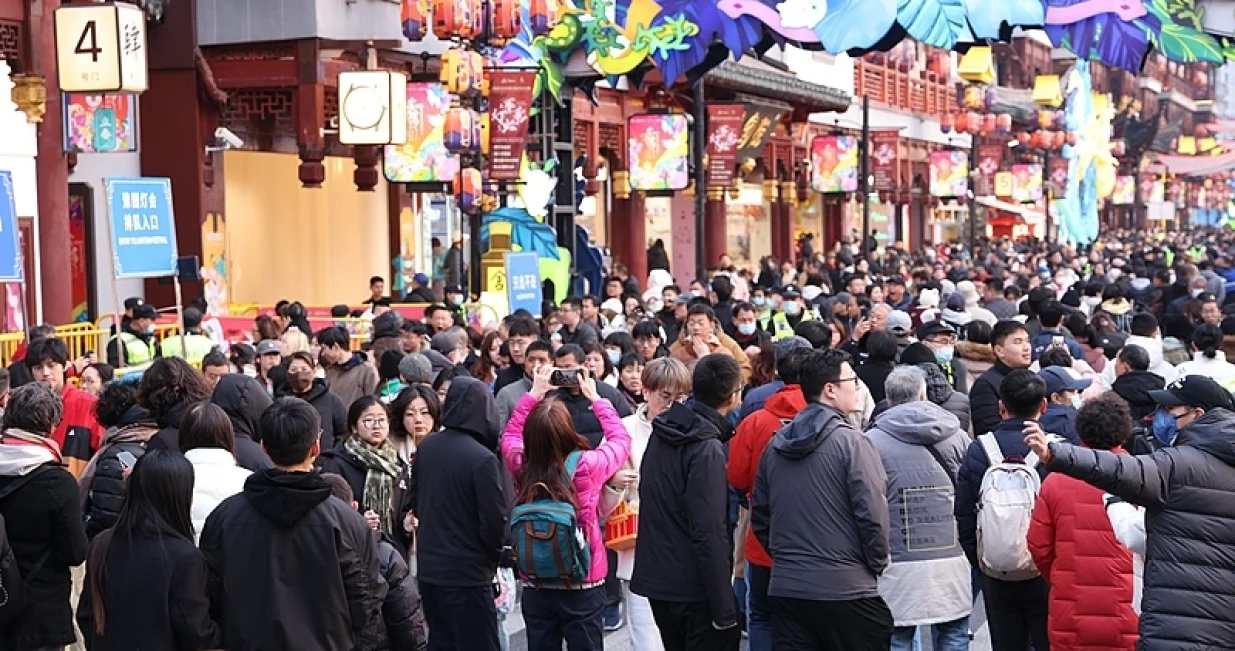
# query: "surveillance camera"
[229,139]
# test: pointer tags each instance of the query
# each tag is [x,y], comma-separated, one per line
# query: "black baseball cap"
[145,311]
[132,302]
[790,291]
[934,328]
[1193,391]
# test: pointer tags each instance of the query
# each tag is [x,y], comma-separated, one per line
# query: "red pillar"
[637,227]
[53,173]
[715,225]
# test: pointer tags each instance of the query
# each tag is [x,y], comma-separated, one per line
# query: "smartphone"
[126,459]
[564,377]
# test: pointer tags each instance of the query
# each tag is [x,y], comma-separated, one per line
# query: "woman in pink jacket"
[535,445]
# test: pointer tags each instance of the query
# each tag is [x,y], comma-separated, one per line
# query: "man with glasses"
[520,333]
[575,330]
[818,507]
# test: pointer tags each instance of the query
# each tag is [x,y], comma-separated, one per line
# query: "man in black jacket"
[292,567]
[459,493]
[684,561]
[244,400]
[820,510]
[302,382]
[1010,341]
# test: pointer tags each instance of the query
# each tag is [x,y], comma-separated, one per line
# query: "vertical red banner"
[510,105]
[1057,175]
[884,153]
[724,133]
[990,157]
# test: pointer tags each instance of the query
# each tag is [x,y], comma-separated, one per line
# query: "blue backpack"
[549,546]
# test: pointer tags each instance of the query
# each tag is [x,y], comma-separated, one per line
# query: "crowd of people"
[838,453]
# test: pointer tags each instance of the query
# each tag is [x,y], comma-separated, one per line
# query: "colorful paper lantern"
[468,189]
[1072,138]
[946,123]
[456,18]
[974,98]
[462,71]
[1003,123]
[989,98]
[457,136]
[415,19]
[988,124]
[973,122]
[540,17]
[1046,119]
[504,19]
[1024,138]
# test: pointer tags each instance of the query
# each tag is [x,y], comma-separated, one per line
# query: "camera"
[229,139]
[564,377]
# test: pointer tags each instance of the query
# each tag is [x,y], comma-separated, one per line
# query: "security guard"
[196,344]
[136,339]
[792,311]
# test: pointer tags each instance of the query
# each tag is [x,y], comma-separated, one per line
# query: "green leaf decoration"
[1187,45]
[935,22]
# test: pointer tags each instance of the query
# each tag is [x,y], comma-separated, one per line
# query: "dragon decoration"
[685,37]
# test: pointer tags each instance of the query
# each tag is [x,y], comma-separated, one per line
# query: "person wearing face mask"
[135,345]
[744,328]
[1063,399]
[940,338]
[793,311]
[302,382]
[1187,491]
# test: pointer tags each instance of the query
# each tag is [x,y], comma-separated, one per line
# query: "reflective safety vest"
[196,347]
[136,351]
[780,323]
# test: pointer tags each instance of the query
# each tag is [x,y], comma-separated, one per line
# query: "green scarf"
[382,464]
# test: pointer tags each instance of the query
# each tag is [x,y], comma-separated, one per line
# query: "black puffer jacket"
[102,483]
[984,398]
[244,399]
[329,406]
[168,437]
[1188,491]
[403,620]
[581,416]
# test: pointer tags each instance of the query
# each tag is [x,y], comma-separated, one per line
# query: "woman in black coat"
[41,507]
[244,399]
[168,387]
[145,584]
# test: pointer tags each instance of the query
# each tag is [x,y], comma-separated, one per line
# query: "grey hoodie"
[928,581]
[828,532]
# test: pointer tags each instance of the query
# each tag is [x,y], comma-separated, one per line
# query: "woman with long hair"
[537,444]
[208,441]
[597,363]
[489,361]
[369,462]
[414,414]
[167,390]
[145,584]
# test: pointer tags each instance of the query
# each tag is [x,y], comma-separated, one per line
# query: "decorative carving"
[365,174]
[268,112]
[30,96]
[252,52]
[312,172]
[10,41]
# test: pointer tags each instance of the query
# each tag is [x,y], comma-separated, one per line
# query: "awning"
[1029,215]
[761,79]
[1194,165]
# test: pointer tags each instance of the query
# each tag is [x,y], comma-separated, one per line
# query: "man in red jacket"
[78,434]
[744,452]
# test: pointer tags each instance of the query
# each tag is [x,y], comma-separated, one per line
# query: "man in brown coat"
[702,335]
[351,375]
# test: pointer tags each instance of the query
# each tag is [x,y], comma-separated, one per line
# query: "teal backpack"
[549,546]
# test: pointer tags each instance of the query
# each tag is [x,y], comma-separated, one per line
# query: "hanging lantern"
[474,22]
[540,15]
[988,124]
[1046,119]
[990,97]
[1061,120]
[1003,123]
[462,71]
[975,99]
[457,136]
[1072,138]
[468,189]
[504,19]
[946,123]
[1061,139]
[478,132]
[1024,138]
[415,19]
[973,123]
[455,18]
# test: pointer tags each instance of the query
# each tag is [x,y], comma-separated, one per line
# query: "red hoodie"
[78,434]
[746,448]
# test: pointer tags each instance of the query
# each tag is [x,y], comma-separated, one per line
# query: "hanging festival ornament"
[1046,119]
[946,123]
[468,189]
[1024,138]
[1003,123]
[989,98]
[1061,120]
[988,124]
[504,19]
[540,17]
[1072,138]
[455,18]
[457,136]
[973,122]
[415,19]
[478,132]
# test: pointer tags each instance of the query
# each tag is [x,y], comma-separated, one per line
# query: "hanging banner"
[834,164]
[949,173]
[758,124]
[724,132]
[658,149]
[424,157]
[143,229]
[990,157]
[510,105]
[1125,191]
[10,249]
[1057,175]
[1003,184]
[1026,183]
[884,152]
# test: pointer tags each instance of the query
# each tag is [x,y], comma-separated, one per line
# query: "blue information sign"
[10,250]
[143,228]
[523,282]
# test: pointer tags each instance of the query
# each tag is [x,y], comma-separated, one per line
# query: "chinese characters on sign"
[659,150]
[884,152]
[989,159]
[759,123]
[510,105]
[724,134]
[101,48]
[523,286]
[143,229]
[10,248]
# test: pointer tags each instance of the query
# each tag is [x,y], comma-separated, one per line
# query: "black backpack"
[13,586]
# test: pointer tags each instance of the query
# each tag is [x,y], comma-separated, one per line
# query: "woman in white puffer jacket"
[1208,358]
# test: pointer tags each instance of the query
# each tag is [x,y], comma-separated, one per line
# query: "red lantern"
[455,18]
[457,136]
[468,189]
[946,123]
[1061,138]
[988,124]
[1003,123]
[1072,138]
[540,16]
[415,19]
[504,19]
[973,122]
[1024,138]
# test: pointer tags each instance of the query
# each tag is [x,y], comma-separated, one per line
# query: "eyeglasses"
[374,423]
[853,379]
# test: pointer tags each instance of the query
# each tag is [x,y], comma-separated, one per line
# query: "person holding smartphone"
[128,428]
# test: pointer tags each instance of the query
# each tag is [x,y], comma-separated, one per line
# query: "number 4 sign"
[101,48]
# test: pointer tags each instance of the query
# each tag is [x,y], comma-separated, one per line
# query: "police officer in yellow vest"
[792,311]
[136,340]
[196,345]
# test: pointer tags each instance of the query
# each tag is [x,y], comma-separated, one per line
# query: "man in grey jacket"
[928,583]
[820,511]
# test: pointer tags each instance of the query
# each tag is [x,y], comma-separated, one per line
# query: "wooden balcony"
[919,92]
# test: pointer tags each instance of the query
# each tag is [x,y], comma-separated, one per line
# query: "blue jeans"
[758,617]
[573,616]
[947,636]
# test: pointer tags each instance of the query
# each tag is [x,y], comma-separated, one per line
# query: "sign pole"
[121,354]
[180,312]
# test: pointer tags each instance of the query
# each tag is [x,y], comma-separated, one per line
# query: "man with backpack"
[996,488]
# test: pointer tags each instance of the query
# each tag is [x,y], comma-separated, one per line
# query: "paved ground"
[620,640]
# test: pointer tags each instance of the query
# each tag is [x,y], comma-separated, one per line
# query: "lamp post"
[699,145]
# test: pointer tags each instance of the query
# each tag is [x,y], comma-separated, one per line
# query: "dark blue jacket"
[1061,420]
[1046,339]
[1009,434]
